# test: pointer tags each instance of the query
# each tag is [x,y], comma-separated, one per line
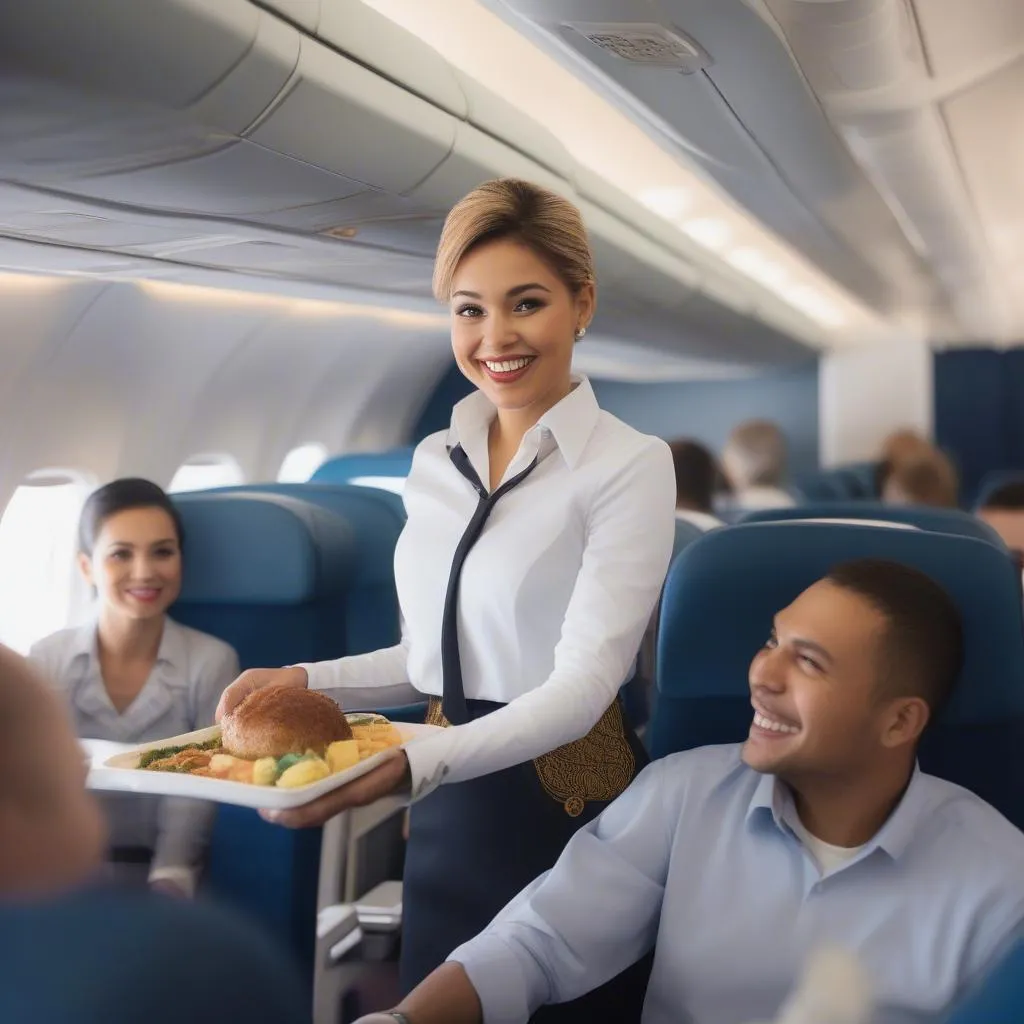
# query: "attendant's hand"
[391,776]
[377,1018]
[257,679]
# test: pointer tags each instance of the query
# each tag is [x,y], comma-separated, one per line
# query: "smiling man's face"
[819,706]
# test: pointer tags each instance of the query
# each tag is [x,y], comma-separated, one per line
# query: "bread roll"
[279,720]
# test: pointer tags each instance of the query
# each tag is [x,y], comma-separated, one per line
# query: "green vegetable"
[284,763]
[149,756]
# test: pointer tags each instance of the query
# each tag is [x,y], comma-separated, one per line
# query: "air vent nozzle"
[648,44]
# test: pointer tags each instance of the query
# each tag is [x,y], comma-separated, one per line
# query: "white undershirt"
[826,856]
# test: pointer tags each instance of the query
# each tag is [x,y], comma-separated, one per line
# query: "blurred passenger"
[903,445]
[755,466]
[52,834]
[924,479]
[75,953]
[696,478]
[1003,510]
[133,674]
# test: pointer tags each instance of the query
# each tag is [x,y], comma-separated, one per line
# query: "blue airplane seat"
[999,998]
[724,590]
[269,575]
[855,481]
[935,520]
[343,468]
[376,518]
[993,481]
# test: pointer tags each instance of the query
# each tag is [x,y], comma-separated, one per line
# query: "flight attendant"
[539,533]
[133,674]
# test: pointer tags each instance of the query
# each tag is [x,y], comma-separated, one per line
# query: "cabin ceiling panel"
[964,38]
[749,122]
[987,127]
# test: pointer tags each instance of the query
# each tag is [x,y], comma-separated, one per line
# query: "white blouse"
[554,597]
[181,694]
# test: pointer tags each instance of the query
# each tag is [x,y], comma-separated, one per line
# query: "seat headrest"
[724,590]
[261,549]
[339,470]
[935,520]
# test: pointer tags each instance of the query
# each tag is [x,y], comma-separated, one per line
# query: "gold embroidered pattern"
[597,767]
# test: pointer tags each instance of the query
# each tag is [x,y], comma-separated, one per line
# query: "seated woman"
[133,674]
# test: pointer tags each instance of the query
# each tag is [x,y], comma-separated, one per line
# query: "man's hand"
[445,997]
[389,777]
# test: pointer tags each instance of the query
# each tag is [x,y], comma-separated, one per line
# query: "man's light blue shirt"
[699,859]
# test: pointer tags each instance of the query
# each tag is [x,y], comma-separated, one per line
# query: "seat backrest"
[343,468]
[993,481]
[720,599]
[999,999]
[268,574]
[935,520]
[852,482]
[376,519]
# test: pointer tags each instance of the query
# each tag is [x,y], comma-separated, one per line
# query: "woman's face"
[135,564]
[514,324]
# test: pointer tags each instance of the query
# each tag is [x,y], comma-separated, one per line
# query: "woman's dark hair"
[119,496]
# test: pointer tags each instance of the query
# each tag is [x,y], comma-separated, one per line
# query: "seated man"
[734,862]
[696,477]
[77,954]
[1003,510]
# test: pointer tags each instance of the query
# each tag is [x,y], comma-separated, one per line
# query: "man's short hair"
[1007,498]
[923,647]
[696,475]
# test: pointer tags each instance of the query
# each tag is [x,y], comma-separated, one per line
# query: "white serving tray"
[118,773]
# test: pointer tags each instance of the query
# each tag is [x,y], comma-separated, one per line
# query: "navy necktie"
[453,700]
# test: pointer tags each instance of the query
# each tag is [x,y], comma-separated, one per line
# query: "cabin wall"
[708,410]
[979,411]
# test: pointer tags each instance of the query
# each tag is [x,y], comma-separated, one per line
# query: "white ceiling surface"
[114,379]
[235,150]
[884,139]
[929,96]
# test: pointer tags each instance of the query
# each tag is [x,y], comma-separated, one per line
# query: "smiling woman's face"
[514,324]
[135,564]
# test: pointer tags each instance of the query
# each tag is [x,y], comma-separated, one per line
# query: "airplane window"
[206,471]
[301,463]
[40,588]
[385,483]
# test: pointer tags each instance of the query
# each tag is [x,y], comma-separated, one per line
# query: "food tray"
[119,773]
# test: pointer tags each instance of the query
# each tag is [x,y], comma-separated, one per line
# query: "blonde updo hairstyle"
[509,208]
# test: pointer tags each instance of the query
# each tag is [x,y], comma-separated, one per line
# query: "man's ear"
[904,722]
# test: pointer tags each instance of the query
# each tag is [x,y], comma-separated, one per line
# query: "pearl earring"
[580,332]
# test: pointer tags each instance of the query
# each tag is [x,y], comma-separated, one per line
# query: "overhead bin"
[305,13]
[171,53]
[495,116]
[377,42]
[340,116]
[476,157]
[237,100]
